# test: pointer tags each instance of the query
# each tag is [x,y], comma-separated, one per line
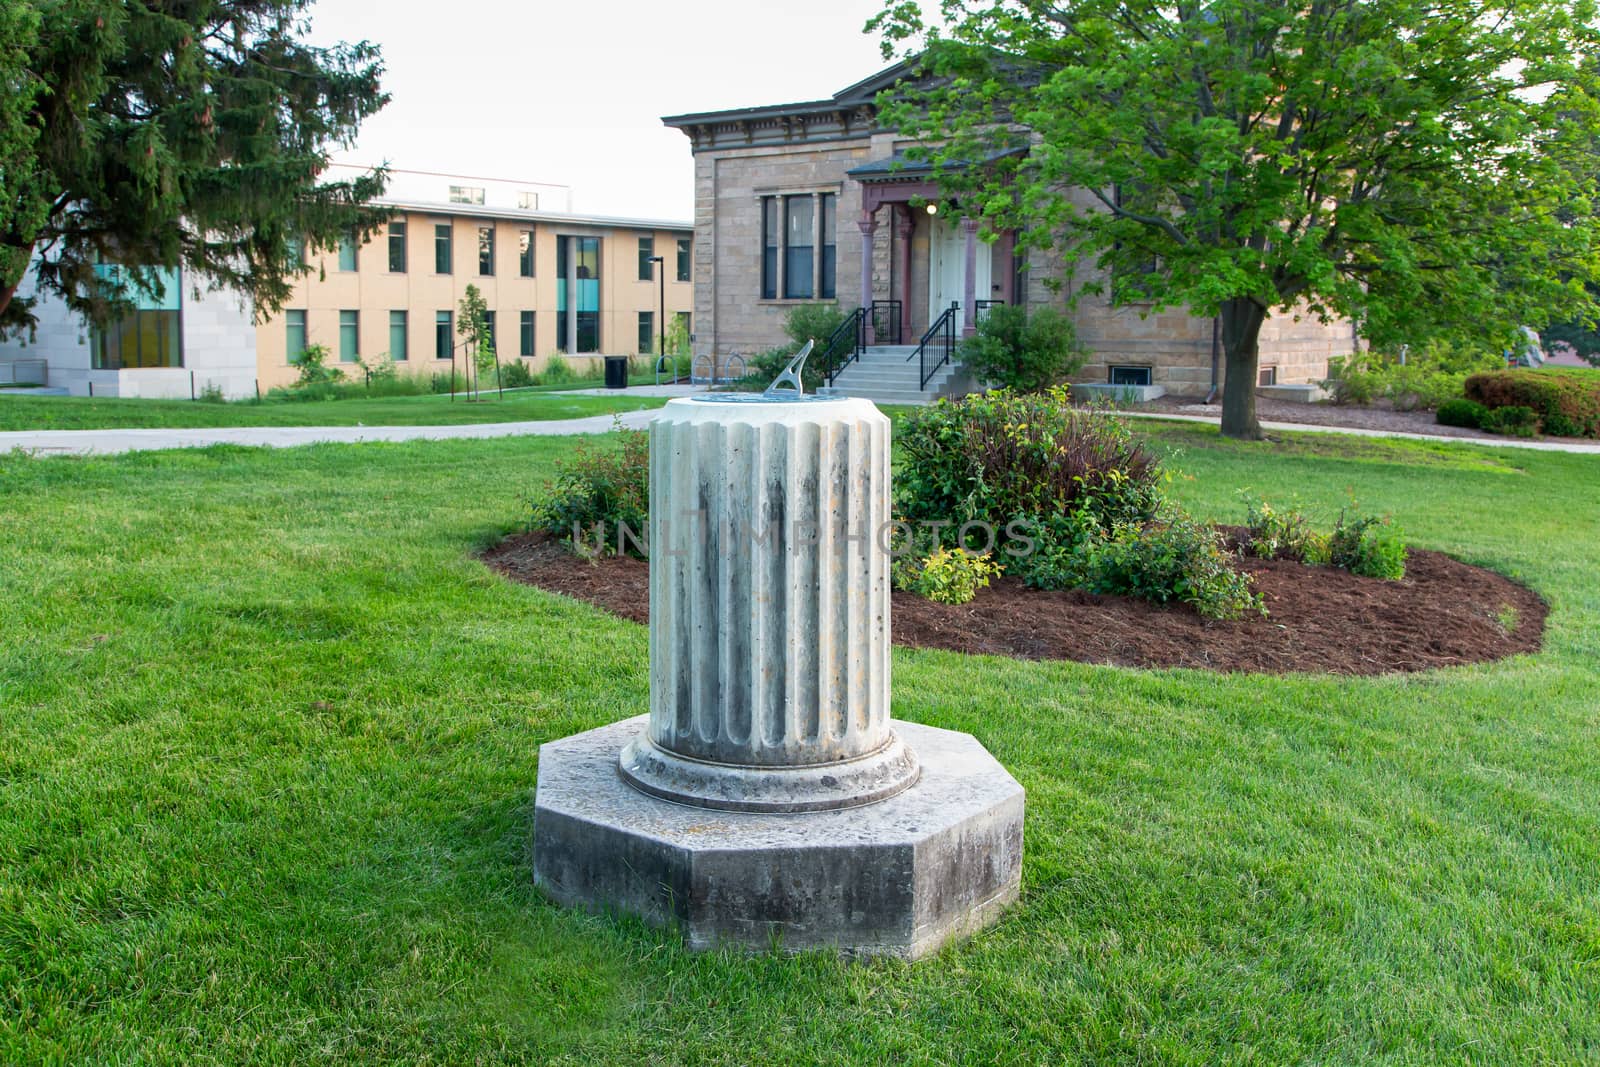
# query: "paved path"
[1354,431]
[110,442]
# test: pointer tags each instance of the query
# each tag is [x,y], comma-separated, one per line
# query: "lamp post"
[660,265]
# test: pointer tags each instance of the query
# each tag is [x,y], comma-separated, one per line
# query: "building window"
[684,268]
[799,236]
[1267,376]
[488,327]
[294,334]
[647,251]
[486,250]
[525,334]
[826,283]
[578,294]
[528,201]
[347,252]
[443,335]
[1122,375]
[525,253]
[769,247]
[443,253]
[397,248]
[150,335]
[647,332]
[349,337]
[798,242]
[399,349]
[685,321]
[466,194]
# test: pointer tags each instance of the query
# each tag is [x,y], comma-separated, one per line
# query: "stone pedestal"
[768,796]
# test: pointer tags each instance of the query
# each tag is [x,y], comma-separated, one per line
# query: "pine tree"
[159,135]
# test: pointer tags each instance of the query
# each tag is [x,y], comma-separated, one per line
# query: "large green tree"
[165,133]
[1418,166]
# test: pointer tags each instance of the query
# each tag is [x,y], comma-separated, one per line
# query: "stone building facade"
[820,188]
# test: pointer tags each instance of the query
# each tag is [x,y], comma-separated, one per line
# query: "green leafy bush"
[556,371]
[1462,412]
[1273,533]
[1174,559]
[314,369]
[1015,350]
[947,575]
[597,489]
[1367,545]
[1431,374]
[812,322]
[995,457]
[1513,420]
[1567,403]
[515,374]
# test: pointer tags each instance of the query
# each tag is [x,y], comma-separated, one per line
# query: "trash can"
[616,372]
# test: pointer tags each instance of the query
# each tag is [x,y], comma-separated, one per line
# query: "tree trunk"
[1241,355]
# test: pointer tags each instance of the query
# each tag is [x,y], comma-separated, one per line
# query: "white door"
[947,262]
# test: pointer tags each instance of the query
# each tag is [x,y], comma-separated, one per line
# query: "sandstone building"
[814,201]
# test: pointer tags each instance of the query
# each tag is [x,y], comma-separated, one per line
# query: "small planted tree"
[1015,350]
[473,325]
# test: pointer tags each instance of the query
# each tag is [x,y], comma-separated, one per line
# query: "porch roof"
[899,168]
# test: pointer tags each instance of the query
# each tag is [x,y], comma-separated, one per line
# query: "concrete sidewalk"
[1353,431]
[111,442]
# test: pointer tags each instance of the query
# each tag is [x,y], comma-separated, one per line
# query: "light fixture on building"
[933,209]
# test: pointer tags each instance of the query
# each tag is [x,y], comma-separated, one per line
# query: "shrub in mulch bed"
[1567,405]
[1445,613]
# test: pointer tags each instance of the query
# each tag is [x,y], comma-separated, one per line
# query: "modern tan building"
[583,285]
[814,201]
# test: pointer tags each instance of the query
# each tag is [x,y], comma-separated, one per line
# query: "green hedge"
[1568,405]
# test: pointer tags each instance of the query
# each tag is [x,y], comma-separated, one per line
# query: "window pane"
[647,332]
[797,261]
[488,322]
[769,247]
[525,253]
[442,253]
[295,339]
[588,331]
[486,250]
[442,335]
[684,268]
[347,252]
[397,247]
[525,345]
[647,249]
[349,336]
[397,337]
[829,244]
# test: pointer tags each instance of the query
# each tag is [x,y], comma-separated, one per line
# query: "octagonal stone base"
[899,877]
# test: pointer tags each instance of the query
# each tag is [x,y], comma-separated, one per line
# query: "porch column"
[969,286]
[904,224]
[868,225]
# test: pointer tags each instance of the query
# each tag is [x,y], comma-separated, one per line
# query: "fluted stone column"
[769,607]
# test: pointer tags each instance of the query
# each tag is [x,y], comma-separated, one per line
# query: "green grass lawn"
[98,413]
[268,739]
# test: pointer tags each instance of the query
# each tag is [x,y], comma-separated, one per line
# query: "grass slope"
[100,413]
[268,741]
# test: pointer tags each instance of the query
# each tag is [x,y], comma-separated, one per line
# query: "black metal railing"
[886,322]
[981,308]
[844,344]
[938,345]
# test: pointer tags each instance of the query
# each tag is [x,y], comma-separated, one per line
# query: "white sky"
[573,93]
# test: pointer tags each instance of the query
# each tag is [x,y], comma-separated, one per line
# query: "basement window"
[1267,376]
[1125,375]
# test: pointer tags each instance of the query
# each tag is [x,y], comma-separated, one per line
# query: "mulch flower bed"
[1444,613]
